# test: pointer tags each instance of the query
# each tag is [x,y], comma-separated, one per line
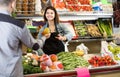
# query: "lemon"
[46,31]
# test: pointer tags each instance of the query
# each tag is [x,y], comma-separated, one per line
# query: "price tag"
[83,72]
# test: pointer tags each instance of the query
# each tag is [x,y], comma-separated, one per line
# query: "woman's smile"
[50,14]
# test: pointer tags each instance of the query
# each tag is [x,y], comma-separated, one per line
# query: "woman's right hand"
[47,35]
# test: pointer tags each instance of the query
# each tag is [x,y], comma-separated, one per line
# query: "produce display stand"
[104,71]
[72,73]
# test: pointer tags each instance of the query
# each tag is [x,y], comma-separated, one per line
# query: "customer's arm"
[26,38]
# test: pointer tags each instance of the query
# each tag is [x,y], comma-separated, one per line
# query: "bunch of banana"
[93,30]
[79,52]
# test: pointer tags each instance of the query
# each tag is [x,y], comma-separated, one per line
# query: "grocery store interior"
[95,46]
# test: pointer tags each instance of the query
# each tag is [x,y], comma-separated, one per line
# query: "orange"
[53,57]
[53,67]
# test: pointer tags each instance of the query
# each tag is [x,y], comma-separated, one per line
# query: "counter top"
[103,69]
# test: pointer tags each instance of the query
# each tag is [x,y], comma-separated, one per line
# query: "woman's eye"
[51,13]
[47,13]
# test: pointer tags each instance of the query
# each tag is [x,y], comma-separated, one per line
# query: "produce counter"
[97,66]
[94,72]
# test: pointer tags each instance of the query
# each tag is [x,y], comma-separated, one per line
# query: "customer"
[59,33]
[12,34]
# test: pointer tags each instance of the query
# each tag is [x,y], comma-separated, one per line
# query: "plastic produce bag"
[104,49]
[50,63]
[66,47]
[115,50]
[82,47]
[39,52]
[38,7]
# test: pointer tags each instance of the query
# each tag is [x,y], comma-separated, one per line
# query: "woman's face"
[50,14]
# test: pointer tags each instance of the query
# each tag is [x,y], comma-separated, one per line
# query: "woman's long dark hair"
[56,19]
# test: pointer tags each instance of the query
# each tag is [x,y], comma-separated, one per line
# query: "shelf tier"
[104,69]
[92,39]
[65,16]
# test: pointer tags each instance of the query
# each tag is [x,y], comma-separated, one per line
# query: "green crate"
[33,29]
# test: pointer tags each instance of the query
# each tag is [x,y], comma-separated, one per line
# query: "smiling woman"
[59,33]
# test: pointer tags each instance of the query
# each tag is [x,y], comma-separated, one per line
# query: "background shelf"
[65,16]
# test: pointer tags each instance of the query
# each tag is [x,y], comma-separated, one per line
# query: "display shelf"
[92,39]
[96,70]
[65,16]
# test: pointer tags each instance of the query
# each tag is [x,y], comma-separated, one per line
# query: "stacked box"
[25,7]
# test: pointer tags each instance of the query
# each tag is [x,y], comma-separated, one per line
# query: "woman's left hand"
[62,38]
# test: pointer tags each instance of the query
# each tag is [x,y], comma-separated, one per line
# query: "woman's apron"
[53,45]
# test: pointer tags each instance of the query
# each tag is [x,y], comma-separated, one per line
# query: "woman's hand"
[47,35]
[62,38]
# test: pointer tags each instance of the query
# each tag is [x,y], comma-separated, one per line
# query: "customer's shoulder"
[9,19]
[18,23]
